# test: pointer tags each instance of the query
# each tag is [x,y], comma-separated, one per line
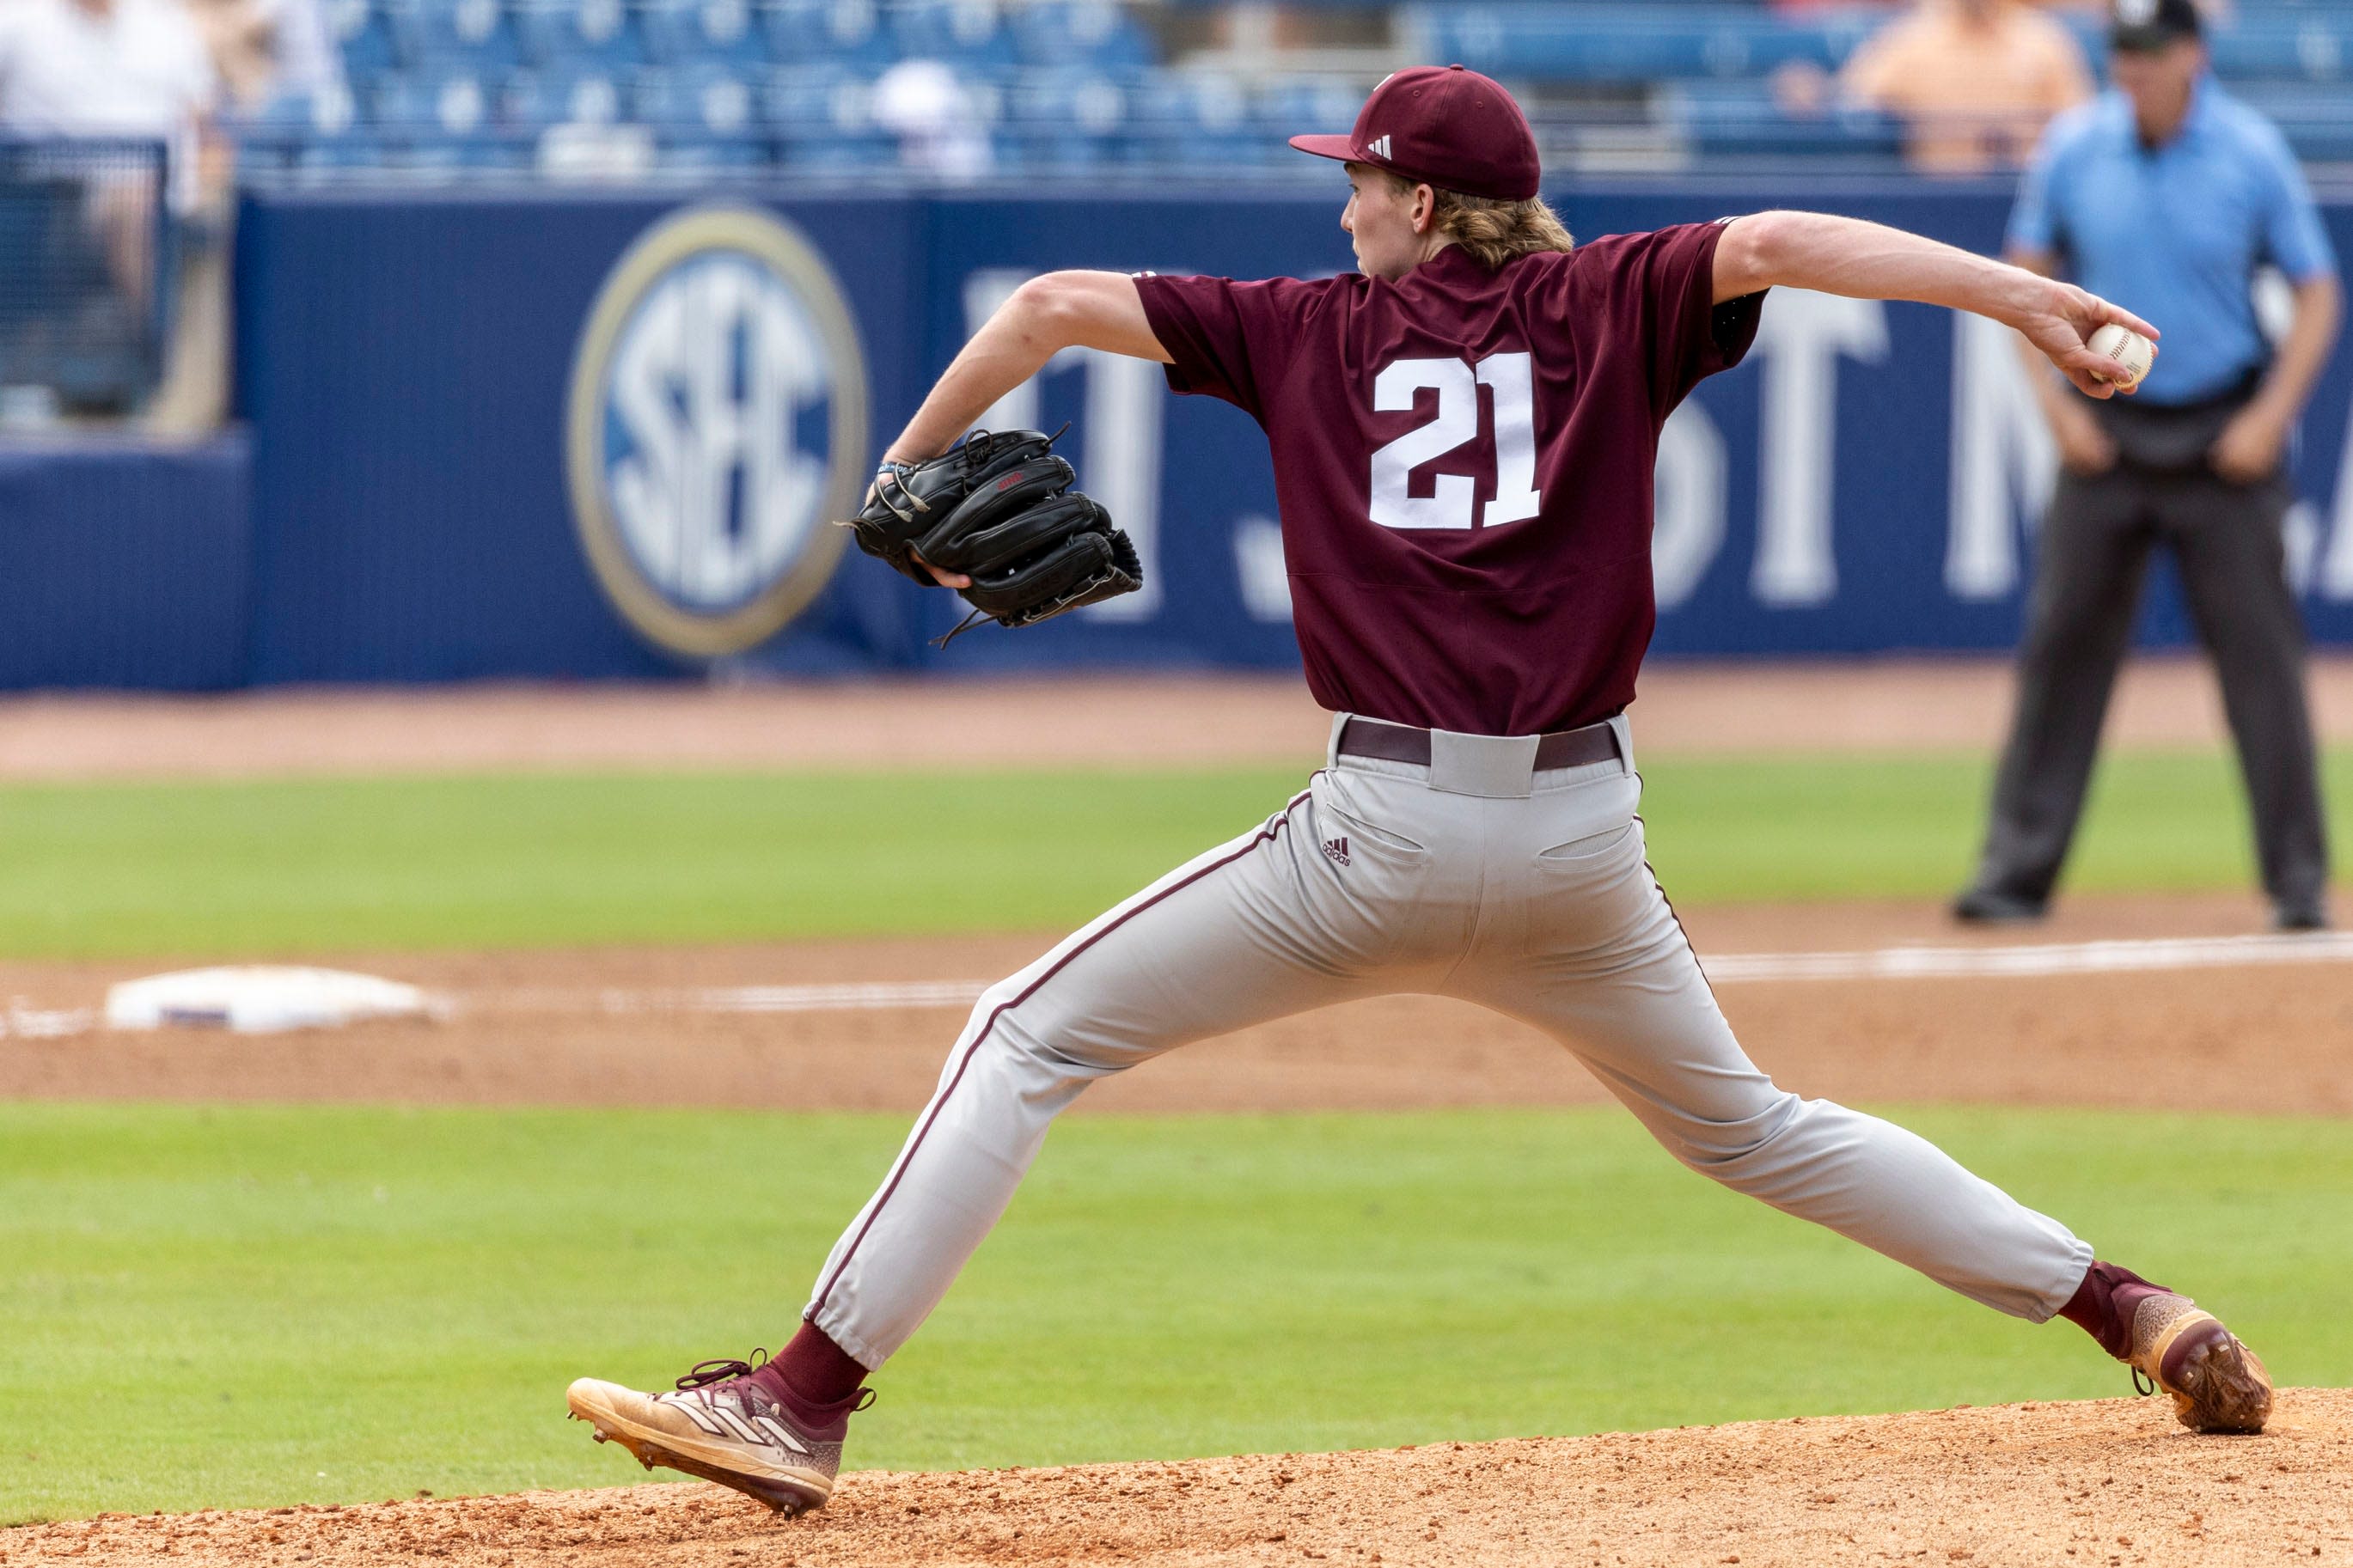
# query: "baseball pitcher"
[1463,433]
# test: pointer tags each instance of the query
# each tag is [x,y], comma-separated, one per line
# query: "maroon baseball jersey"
[1462,460]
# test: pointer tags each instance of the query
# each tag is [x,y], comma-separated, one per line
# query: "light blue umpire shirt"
[2175,234]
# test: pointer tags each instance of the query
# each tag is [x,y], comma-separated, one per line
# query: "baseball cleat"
[2218,1384]
[732,1422]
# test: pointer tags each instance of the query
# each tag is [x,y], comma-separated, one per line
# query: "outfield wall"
[125,563]
[529,434]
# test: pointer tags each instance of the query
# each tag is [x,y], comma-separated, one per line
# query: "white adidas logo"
[1379,147]
[725,1421]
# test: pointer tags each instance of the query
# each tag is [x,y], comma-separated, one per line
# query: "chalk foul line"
[2138,957]
[20,1021]
[2144,956]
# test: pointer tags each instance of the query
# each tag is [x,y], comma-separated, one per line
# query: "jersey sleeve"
[2293,236]
[1225,339]
[1660,287]
[2031,228]
[2034,224]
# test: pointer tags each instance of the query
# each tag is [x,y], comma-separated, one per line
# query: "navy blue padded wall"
[125,563]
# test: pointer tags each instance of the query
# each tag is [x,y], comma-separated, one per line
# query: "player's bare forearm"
[1043,317]
[1871,261]
[2304,351]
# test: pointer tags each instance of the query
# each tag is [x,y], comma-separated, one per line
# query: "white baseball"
[2133,353]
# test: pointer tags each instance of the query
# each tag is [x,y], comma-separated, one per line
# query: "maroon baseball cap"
[1453,128]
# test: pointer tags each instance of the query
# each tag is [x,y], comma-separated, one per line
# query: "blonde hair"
[1492,229]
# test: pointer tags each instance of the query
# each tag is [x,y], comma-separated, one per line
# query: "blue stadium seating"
[452,87]
[2313,48]
[607,34]
[680,32]
[1178,119]
[969,33]
[478,33]
[364,33]
[807,32]
[839,155]
[818,100]
[1064,119]
[703,101]
[1628,44]
[1051,32]
[1741,119]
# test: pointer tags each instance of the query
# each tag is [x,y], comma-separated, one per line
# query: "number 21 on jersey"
[1452,503]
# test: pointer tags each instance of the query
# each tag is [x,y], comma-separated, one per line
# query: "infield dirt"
[1875,705]
[2107,1481]
[544,1029]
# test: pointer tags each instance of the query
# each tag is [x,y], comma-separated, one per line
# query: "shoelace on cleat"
[2139,1379]
[709,1371]
[706,1372]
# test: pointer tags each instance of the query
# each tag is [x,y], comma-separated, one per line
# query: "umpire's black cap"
[2145,26]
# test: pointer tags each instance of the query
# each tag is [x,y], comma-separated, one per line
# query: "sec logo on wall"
[716,424]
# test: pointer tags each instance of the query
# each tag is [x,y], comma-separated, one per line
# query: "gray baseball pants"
[2227,542]
[1474,876]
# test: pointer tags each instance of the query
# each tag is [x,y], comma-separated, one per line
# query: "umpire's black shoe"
[1986,907]
[2300,916]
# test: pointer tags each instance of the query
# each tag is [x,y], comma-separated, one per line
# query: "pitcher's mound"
[2108,1482]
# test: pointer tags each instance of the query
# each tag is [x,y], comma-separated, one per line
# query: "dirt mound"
[2110,1481]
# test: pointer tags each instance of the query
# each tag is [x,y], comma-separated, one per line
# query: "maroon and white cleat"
[2218,1384]
[733,1422]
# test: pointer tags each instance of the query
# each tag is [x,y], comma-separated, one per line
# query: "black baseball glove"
[999,509]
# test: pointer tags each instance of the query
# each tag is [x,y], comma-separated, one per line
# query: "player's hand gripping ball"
[999,509]
[2132,353]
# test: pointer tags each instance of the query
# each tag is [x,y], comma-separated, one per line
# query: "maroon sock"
[819,1371]
[2104,1304]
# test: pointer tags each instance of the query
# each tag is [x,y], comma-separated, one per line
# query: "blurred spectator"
[266,48]
[108,67]
[923,104]
[1975,80]
[137,68]
[237,36]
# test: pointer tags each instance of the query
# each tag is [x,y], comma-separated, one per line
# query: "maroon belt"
[1403,743]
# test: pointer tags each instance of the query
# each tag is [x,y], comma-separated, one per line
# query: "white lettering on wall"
[2004,460]
[2337,566]
[714,497]
[2300,532]
[1802,337]
[1258,563]
[1121,463]
[1689,506]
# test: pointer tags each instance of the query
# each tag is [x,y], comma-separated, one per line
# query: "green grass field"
[242,869]
[261,1306]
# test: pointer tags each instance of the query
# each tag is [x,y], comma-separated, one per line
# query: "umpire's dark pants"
[2227,542]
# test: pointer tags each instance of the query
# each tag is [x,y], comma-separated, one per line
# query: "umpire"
[2167,194]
